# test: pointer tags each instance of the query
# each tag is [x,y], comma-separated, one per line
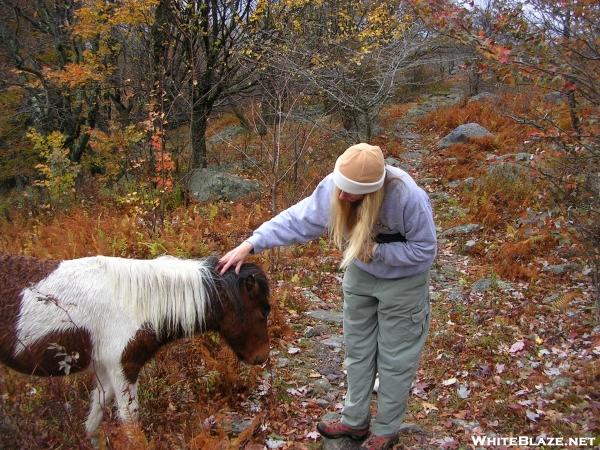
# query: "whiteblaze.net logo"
[527,441]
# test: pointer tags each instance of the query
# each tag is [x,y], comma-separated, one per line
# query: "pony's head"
[245,310]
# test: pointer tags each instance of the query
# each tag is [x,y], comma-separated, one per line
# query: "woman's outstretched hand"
[234,257]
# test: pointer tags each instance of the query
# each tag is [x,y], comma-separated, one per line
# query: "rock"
[485,284]
[283,362]
[427,181]
[435,296]
[554,97]
[212,184]
[392,162]
[469,183]
[463,133]
[439,196]
[560,269]
[326,315]
[523,156]
[226,134]
[450,272]
[412,156]
[321,386]
[469,247]
[333,377]
[469,426]
[559,383]
[309,332]
[340,444]
[321,329]
[508,171]
[323,403]
[334,341]
[482,96]
[438,276]
[409,428]
[239,426]
[592,182]
[455,295]
[310,295]
[337,444]
[403,135]
[461,230]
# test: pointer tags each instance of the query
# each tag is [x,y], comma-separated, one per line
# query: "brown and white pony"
[110,315]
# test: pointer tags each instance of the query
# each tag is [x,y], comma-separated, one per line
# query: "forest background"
[108,108]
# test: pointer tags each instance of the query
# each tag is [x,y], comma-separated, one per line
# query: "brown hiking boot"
[336,429]
[379,442]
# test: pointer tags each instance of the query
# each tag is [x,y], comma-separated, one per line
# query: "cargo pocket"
[419,321]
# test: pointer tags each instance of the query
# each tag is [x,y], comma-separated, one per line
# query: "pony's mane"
[168,293]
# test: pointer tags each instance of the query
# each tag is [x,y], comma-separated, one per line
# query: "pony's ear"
[250,283]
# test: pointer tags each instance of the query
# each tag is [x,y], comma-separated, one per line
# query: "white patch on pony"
[112,298]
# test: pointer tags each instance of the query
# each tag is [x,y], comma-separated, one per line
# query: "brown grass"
[513,260]
[508,135]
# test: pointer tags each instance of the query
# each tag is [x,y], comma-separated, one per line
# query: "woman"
[383,223]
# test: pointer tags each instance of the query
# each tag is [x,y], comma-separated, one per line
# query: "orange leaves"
[74,75]
[514,257]
[502,54]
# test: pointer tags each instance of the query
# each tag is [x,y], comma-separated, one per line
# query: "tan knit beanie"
[360,169]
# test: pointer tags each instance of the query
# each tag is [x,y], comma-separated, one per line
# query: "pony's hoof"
[94,439]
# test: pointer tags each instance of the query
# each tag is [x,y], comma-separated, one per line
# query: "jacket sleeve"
[302,222]
[419,228]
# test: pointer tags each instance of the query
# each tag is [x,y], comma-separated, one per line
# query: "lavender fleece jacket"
[406,209]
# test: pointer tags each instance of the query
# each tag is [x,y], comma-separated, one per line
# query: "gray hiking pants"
[385,328]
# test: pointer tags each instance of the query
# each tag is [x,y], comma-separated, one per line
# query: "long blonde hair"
[351,225]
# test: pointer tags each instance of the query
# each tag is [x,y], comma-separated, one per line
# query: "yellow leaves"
[294,4]
[134,13]
[97,17]
[57,172]
[46,144]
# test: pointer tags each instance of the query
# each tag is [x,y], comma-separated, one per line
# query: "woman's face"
[352,198]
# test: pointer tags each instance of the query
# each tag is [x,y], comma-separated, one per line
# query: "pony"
[110,315]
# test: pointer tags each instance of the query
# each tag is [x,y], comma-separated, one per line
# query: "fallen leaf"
[531,415]
[517,347]
[463,392]
[428,407]
[449,382]
[313,435]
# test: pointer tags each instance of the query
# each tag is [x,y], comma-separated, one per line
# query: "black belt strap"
[387,238]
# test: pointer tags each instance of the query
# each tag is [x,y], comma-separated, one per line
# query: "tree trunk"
[198,138]
[241,117]
[474,80]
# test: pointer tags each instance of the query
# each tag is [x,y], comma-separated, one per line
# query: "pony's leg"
[102,395]
[127,402]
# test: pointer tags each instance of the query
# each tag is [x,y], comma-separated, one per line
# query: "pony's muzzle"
[259,359]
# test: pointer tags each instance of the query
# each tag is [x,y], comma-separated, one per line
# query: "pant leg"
[403,319]
[360,336]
